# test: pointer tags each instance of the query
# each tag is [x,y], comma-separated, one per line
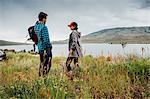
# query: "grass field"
[97,78]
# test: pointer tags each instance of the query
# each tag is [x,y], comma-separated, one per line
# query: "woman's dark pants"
[69,61]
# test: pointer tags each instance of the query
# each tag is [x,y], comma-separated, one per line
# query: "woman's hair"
[42,15]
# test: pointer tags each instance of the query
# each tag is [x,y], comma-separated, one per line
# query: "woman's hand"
[71,52]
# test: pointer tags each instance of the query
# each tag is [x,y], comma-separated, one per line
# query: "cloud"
[144,3]
[91,15]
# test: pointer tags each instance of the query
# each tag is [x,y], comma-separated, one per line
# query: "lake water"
[92,49]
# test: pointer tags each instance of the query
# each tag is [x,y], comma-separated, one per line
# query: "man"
[74,48]
[44,44]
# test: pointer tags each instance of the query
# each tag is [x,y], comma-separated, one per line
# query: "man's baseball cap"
[73,24]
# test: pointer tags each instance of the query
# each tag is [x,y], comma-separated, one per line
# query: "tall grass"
[97,77]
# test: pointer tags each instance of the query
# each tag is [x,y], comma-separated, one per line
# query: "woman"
[74,48]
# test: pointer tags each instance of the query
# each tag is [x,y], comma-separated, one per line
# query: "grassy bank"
[97,77]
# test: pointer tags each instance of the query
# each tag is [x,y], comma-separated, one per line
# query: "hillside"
[4,43]
[119,35]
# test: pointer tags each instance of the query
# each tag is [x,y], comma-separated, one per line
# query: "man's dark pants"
[45,61]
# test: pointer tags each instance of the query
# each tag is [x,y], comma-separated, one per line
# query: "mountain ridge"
[130,35]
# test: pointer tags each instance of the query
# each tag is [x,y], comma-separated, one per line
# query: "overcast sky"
[91,15]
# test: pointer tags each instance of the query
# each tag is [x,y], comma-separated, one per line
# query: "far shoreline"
[67,43]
